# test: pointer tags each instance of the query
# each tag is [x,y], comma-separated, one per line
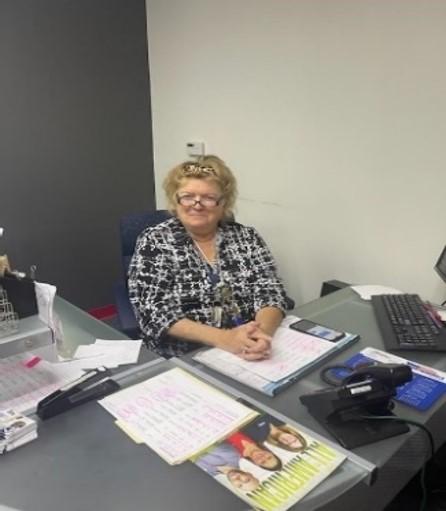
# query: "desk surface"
[79,327]
[398,458]
[82,462]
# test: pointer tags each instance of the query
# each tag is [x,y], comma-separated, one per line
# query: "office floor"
[410,498]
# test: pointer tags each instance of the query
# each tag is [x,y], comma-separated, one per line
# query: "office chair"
[130,228]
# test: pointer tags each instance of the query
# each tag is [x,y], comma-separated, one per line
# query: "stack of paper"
[15,430]
[176,414]
[26,379]
[262,459]
[105,353]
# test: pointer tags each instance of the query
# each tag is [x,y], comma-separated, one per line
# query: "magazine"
[269,464]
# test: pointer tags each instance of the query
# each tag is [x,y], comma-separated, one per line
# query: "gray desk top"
[79,327]
[82,462]
[398,458]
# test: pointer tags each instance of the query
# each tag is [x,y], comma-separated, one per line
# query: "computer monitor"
[440,266]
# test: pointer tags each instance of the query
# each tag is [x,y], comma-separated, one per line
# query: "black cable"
[424,493]
[336,381]
[330,380]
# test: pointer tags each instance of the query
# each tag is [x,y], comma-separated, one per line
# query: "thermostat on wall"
[195,148]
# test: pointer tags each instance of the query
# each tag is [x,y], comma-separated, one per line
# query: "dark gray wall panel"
[75,137]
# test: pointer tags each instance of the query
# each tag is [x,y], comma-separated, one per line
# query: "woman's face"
[289,440]
[243,480]
[263,458]
[203,217]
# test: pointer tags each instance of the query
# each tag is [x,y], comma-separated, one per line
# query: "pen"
[237,320]
[430,372]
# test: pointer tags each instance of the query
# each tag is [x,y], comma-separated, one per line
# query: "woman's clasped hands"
[248,341]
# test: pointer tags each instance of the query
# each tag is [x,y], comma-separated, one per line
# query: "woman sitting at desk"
[201,277]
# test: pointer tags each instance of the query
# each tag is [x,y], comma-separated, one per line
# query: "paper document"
[45,294]
[389,358]
[105,353]
[290,351]
[23,385]
[293,353]
[176,414]
[427,386]
[367,291]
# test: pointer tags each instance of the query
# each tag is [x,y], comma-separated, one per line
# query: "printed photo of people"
[268,463]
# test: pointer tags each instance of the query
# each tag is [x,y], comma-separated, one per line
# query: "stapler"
[92,385]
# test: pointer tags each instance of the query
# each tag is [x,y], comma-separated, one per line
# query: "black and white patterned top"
[169,281]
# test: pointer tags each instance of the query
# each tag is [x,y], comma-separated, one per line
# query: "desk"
[82,462]
[398,458]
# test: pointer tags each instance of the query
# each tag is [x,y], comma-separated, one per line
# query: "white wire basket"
[9,321]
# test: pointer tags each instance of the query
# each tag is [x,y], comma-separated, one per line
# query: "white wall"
[333,116]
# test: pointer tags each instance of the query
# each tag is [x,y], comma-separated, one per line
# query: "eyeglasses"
[206,201]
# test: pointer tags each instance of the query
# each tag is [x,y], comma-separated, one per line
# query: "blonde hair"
[206,167]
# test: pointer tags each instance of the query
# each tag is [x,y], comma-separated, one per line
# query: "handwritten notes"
[293,354]
[291,350]
[176,414]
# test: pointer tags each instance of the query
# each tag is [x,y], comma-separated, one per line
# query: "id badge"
[217,312]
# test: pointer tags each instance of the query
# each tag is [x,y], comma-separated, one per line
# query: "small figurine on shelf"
[4,263]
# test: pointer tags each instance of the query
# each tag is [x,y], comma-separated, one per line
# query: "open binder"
[294,354]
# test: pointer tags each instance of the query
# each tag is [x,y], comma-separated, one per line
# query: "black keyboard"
[406,323]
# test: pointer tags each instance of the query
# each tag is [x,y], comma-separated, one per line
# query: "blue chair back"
[130,228]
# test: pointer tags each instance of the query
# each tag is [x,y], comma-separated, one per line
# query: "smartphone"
[308,327]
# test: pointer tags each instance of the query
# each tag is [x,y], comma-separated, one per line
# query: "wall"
[332,115]
[75,137]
